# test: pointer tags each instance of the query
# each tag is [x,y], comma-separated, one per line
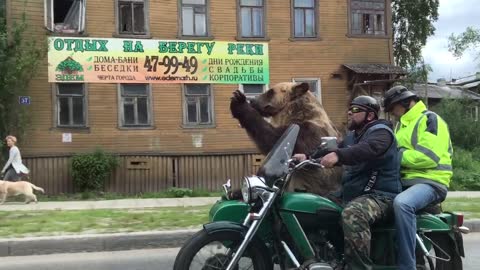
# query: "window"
[253,90]
[367,17]
[131,16]
[135,108]
[252,18]
[70,105]
[197,105]
[314,86]
[194,17]
[304,19]
[65,16]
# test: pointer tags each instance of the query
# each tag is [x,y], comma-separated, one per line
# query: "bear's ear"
[299,89]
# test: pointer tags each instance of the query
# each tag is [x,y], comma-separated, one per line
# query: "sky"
[454,17]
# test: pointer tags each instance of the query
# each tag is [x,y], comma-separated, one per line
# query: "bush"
[180,192]
[463,129]
[466,170]
[90,171]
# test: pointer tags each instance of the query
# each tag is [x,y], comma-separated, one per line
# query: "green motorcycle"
[290,230]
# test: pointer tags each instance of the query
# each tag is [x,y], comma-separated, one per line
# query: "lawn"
[470,207]
[58,222]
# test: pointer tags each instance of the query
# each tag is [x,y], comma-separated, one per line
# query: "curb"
[113,242]
[93,243]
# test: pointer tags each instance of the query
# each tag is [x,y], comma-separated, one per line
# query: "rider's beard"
[353,125]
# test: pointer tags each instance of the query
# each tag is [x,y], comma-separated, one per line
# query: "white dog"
[8,188]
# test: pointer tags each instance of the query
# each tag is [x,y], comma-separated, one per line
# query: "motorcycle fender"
[225,226]
[233,227]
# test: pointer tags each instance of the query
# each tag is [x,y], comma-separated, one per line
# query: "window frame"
[211,107]
[56,109]
[473,113]
[239,23]
[316,8]
[265,88]
[146,17]
[121,113]
[387,22]
[318,92]
[207,35]
[49,23]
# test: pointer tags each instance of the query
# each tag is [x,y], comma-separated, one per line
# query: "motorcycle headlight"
[252,187]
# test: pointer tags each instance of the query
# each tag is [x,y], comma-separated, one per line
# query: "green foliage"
[69,65]
[19,57]
[180,192]
[470,39]
[464,134]
[90,171]
[463,129]
[466,170]
[417,74]
[412,25]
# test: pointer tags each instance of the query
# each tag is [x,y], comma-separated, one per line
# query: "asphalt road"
[154,259]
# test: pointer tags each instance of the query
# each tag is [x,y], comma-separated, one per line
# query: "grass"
[470,207]
[58,222]
[96,196]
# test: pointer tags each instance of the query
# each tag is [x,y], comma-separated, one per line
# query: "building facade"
[183,135]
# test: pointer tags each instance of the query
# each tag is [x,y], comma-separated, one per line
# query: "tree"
[19,58]
[469,39]
[412,25]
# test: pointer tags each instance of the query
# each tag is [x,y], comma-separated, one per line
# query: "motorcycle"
[292,230]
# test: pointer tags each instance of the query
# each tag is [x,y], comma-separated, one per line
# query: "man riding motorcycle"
[426,165]
[370,180]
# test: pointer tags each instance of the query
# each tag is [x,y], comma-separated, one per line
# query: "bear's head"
[278,98]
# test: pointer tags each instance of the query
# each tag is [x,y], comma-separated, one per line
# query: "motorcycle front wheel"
[444,244]
[213,251]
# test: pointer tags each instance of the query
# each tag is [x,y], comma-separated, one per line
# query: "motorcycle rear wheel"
[210,252]
[444,242]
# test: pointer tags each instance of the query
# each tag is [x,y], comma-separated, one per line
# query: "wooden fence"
[150,173]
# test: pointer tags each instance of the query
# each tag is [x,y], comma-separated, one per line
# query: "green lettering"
[231,47]
[90,45]
[58,44]
[78,45]
[138,46]
[103,45]
[191,47]
[69,43]
[127,46]
[162,47]
[172,47]
[209,47]
[181,47]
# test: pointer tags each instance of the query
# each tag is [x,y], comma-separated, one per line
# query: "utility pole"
[425,80]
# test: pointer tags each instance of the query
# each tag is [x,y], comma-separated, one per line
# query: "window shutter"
[81,16]
[48,14]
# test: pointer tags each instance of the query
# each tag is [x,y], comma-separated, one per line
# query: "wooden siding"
[150,173]
[288,59]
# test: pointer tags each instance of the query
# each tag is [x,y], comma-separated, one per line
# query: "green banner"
[99,60]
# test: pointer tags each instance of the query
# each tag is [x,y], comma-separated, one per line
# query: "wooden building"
[165,135]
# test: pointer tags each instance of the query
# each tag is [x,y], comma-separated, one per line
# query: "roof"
[445,91]
[375,69]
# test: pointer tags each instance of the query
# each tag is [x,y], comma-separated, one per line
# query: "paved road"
[153,259]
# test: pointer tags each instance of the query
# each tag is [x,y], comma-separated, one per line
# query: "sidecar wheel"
[210,252]
[446,244]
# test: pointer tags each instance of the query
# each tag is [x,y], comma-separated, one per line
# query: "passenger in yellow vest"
[426,165]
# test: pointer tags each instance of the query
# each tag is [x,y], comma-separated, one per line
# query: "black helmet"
[367,103]
[396,94]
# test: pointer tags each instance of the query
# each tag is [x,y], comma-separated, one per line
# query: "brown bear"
[288,103]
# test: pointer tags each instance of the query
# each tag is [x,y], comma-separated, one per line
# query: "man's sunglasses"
[356,109]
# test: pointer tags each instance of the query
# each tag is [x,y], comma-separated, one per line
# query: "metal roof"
[375,69]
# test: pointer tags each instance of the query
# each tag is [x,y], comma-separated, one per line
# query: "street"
[153,259]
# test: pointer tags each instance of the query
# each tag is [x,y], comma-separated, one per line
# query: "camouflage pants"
[357,217]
